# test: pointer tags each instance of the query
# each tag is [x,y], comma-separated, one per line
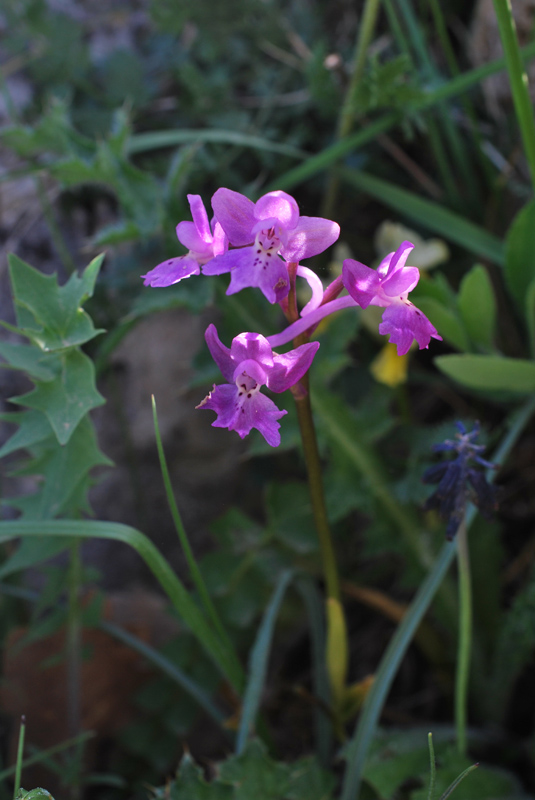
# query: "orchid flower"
[388,286]
[202,246]
[249,364]
[263,231]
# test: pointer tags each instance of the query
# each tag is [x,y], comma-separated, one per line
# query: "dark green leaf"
[68,398]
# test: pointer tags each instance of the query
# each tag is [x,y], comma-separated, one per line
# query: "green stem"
[347,114]
[432,768]
[518,79]
[465,635]
[317,496]
[74,642]
[20,752]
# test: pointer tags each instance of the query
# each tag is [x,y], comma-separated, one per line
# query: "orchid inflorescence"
[261,245]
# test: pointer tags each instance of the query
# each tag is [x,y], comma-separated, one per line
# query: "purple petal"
[220,240]
[311,236]
[249,369]
[220,353]
[290,367]
[258,412]
[254,267]
[228,261]
[399,258]
[251,346]
[235,214]
[401,281]
[200,217]
[404,322]
[188,235]
[169,272]
[361,282]
[280,205]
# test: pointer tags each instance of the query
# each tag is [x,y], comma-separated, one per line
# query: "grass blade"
[42,755]
[167,667]
[259,660]
[141,142]
[224,659]
[430,215]
[184,541]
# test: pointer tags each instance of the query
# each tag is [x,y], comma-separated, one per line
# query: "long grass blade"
[195,572]
[430,215]
[186,607]
[167,667]
[259,660]
[142,142]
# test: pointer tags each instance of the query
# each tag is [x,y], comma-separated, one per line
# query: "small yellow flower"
[389,368]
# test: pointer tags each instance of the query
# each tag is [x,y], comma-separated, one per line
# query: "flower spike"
[458,480]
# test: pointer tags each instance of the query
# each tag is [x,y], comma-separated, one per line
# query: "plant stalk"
[465,636]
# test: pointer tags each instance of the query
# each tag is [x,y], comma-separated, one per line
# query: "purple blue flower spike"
[201,243]
[249,364]
[263,231]
[388,286]
[458,480]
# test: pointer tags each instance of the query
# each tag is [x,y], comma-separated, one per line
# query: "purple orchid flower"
[272,227]
[388,286]
[249,364]
[202,246]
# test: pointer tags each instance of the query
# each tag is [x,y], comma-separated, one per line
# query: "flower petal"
[404,322]
[312,235]
[188,235]
[172,271]
[399,258]
[290,367]
[259,412]
[251,346]
[280,205]
[235,214]
[220,353]
[361,282]
[200,217]
[401,282]
[230,261]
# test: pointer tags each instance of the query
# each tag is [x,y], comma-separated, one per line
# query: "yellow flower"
[389,368]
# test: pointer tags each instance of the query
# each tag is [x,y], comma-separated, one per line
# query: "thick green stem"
[518,79]
[465,636]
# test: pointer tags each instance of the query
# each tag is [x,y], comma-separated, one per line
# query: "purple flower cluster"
[265,238]
[459,481]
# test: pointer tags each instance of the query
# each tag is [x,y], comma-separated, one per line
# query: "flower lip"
[247,371]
